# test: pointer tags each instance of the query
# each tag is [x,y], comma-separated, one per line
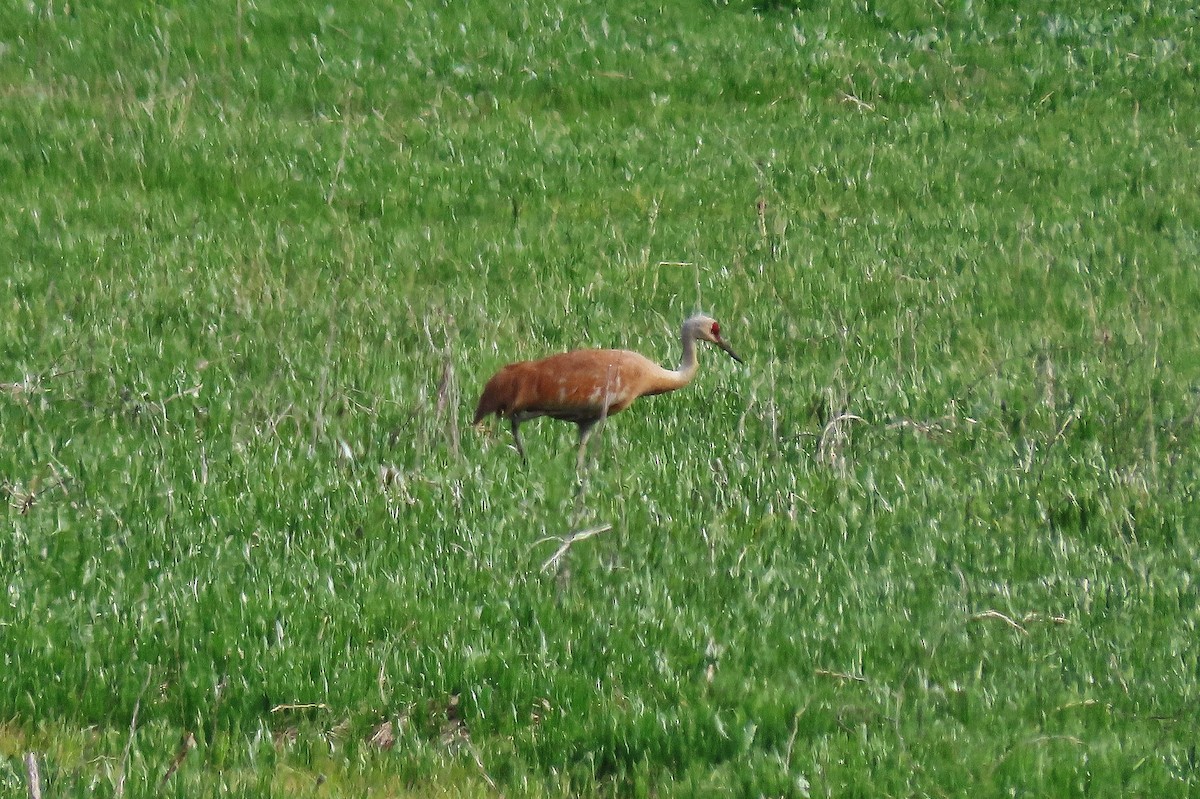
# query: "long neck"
[687,364]
[665,380]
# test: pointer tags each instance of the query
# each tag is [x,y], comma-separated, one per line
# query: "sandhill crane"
[585,386]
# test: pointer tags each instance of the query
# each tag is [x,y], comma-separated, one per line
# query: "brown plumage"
[585,386]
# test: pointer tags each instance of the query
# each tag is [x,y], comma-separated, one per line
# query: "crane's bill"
[728,349]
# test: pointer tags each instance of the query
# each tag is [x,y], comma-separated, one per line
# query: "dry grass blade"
[384,736]
[475,755]
[570,540]
[339,168]
[995,614]
[1033,616]
[194,391]
[120,789]
[300,706]
[23,499]
[833,438]
[447,397]
[318,420]
[447,392]
[186,744]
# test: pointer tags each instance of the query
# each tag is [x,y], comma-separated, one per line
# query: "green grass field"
[938,536]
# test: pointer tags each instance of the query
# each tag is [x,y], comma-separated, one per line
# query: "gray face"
[706,329]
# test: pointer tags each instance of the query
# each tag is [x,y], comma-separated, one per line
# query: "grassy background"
[938,537]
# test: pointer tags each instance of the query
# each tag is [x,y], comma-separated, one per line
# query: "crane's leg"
[585,432]
[517,440]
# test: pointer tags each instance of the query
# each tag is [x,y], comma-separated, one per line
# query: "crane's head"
[705,328]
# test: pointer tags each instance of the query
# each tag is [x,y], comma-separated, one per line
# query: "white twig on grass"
[194,391]
[33,775]
[995,614]
[571,539]
[840,675]
[299,706]
[861,105]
